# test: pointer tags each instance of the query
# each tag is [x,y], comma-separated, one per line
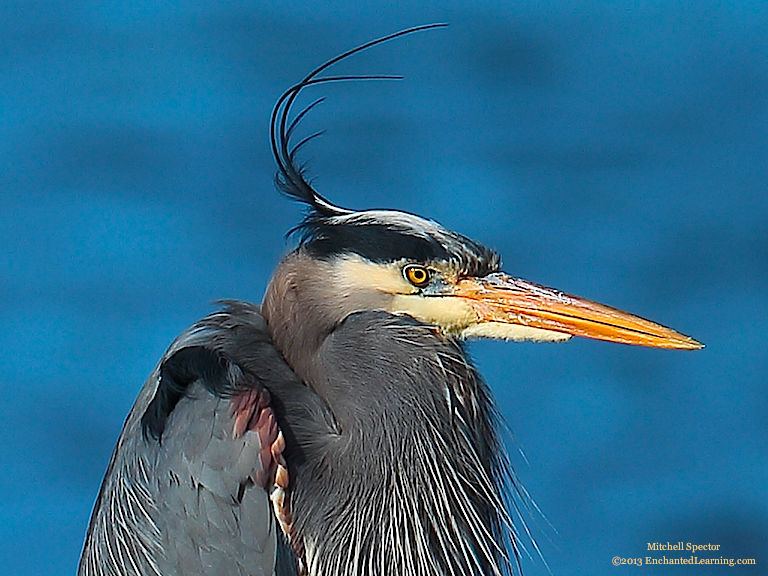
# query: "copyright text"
[693,559]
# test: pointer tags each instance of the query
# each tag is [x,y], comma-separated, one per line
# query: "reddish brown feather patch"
[253,413]
[247,406]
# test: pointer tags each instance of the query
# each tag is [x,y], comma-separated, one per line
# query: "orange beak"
[500,298]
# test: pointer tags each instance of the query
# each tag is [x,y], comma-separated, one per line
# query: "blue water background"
[617,151]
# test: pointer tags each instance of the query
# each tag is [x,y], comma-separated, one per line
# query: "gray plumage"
[408,484]
[378,479]
[172,507]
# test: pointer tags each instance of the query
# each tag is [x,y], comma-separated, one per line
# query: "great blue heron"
[338,428]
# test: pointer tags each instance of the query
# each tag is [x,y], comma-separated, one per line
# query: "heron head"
[405,264]
[385,259]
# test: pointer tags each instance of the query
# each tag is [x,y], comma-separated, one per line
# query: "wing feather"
[180,495]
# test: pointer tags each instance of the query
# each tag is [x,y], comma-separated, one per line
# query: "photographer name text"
[690,547]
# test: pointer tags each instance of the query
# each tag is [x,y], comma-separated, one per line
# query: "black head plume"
[290,177]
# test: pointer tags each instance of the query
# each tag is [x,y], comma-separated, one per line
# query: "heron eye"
[416,275]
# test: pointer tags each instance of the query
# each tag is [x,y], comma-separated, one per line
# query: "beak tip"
[694,345]
[678,341]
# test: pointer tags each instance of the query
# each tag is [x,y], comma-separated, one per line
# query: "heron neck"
[304,303]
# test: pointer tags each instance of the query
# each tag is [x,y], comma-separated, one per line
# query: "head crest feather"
[291,176]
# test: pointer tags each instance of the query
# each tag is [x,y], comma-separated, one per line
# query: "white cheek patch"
[450,315]
[353,272]
[515,332]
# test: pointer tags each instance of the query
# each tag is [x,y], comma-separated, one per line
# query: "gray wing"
[184,492]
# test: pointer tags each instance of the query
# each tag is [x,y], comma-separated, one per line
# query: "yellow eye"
[416,275]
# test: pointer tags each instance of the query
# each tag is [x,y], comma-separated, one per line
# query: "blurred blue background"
[613,150]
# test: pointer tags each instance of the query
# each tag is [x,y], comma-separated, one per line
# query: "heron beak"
[498,298]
